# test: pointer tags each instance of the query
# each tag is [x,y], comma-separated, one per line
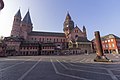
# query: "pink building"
[25,41]
[2,49]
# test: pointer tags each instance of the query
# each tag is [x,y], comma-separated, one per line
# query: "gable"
[76,30]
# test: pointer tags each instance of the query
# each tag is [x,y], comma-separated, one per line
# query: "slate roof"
[16,39]
[82,39]
[54,34]
[26,43]
[68,17]
[110,36]
[27,18]
[18,14]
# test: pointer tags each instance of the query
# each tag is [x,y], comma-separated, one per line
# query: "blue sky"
[49,15]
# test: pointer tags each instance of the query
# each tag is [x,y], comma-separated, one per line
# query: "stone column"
[100,56]
[98,44]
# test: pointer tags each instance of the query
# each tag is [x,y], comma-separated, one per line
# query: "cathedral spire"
[18,14]
[27,18]
[84,31]
[68,24]
[16,25]
[68,17]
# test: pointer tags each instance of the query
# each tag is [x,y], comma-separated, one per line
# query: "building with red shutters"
[110,44]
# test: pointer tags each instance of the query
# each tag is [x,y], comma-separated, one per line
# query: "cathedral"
[24,41]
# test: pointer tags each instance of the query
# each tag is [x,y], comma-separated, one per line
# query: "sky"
[49,15]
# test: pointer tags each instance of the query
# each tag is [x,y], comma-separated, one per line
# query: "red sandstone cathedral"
[25,41]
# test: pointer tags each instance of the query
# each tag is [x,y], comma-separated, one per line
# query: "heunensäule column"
[98,44]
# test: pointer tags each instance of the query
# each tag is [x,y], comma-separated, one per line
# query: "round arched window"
[76,36]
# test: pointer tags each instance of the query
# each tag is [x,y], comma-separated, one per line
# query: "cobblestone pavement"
[72,67]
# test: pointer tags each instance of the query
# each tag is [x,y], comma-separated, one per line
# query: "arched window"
[76,36]
[76,31]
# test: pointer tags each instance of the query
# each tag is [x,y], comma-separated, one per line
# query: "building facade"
[25,41]
[2,48]
[110,44]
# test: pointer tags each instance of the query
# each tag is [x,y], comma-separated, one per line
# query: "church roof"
[68,17]
[27,18]
[76,28]
[28,43]
[18,14]
[54,34]
[82,39]
[16,39]
[84,28]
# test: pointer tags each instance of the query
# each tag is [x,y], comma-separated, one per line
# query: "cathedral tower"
[26,25]
[68,25]
[16,25]
[84,31]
